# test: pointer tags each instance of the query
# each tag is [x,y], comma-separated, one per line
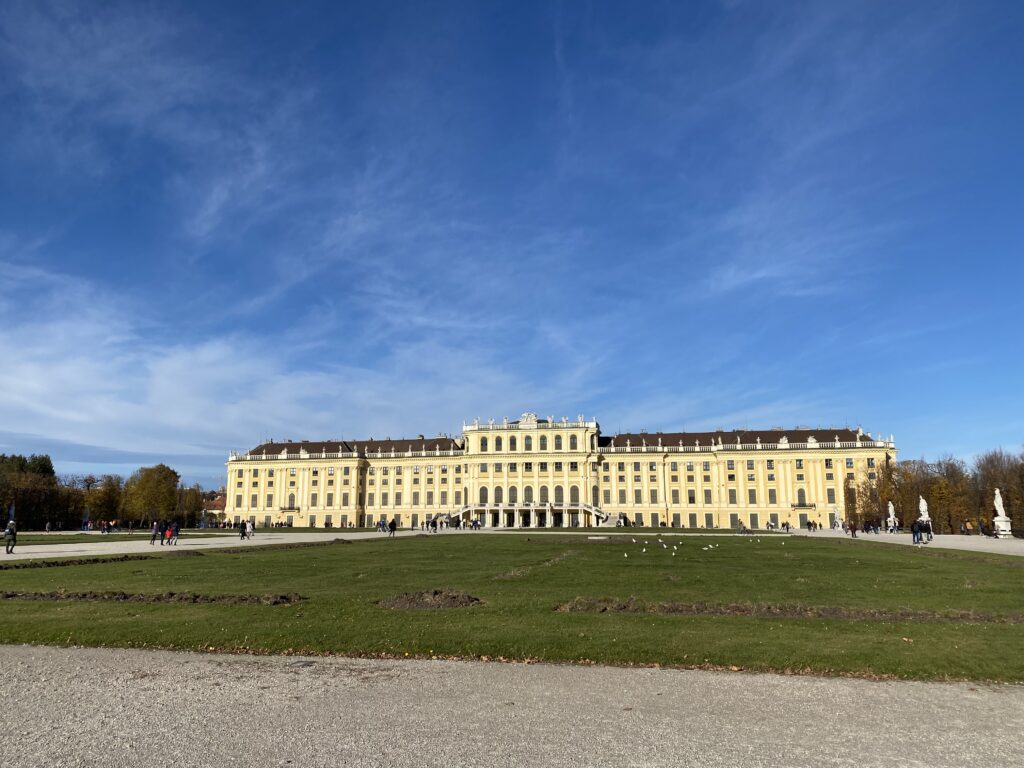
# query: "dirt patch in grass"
[519,572]
[775,611]
[164,597]
[435,599]
[280,547]
[22,564]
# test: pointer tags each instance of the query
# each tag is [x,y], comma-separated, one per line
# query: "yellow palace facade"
[535,472]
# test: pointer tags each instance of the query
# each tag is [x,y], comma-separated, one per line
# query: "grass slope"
[522,579]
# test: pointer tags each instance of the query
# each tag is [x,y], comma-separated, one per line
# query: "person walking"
[391,527]
[175,532]
[10,537]
[154,532]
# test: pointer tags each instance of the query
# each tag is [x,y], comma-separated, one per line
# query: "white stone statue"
[922,507]
[1001,523]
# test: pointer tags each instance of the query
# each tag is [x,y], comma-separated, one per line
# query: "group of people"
[922,531]
[168,532]
[246,529]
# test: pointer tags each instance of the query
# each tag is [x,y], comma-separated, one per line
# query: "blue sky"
[226,222]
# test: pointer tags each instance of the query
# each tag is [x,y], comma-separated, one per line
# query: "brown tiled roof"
[767,436]
[348,446]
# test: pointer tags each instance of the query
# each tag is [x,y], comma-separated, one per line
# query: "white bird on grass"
[674,547]
[634,541]
[705,549]
[625,554]
[644,549]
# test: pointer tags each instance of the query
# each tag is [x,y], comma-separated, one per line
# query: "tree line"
[29,485]
[957,493]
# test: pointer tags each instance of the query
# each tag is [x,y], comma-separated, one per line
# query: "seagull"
[644,549]
[664,545]
[625,554]
[674,547]
[673,554]
[634,541]
[704,549]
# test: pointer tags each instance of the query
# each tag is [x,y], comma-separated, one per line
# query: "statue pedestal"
[1001,527]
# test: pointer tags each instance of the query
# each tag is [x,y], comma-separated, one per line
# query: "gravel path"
[103,707]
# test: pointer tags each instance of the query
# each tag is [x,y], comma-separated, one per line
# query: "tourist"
[175,533]
[391,528]
[10,537]
[154,531]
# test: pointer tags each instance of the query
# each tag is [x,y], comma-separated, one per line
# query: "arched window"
[559,495]
[512,443]
[291,501]
[573,444]
[595,497]
[558,442]
[513,495]
[543,442]
[574,495]
[483,445]
[498,495]
[801,497]
[497,445]
[543,494]
[528,494]
[528,443]
[483,495]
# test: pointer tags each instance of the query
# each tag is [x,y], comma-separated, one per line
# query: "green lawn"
[522,579]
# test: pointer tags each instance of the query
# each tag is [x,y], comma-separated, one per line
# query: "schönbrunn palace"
[546,473]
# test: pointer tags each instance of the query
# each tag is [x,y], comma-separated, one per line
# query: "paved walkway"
[126,708]
[141,545]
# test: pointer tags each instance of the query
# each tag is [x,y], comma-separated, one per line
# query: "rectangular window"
[706,466]
[270,473]
[558,466]
[398,498]
[330,499]
[772,498]
[830,494]
[675,495]
[316,472]
[330,471]
[730,464]
[622,466]
[238,501]
[344,471]
[871,463]
[254,501]
[652,466]
[751,496]
[674,466]
[256,472]
[732,495]
[444,498]
[528,466]
[654,495]
[270,500]
[512,467]
[291,472]
[543,466]
[344,499]
[849,463]
[415,498]
[750,478]
[799,477]
[622,496]
[607,497]
[636,466]
[771,476]
[830,476]
[605,466]
[707,496]
[383,499]
[828,463]
[799,463]
[458,497]
[654,478]
[240,474]
[872,476]
[732,477]
[771,463]
[430,498]
[483,468]
[689,478]
[313,500]
[574,466]
[691,496]
[637,498]
[497,467]
[750,464]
